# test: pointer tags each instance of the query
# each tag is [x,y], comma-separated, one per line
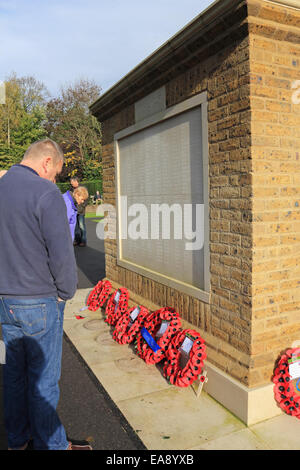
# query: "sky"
[61,41]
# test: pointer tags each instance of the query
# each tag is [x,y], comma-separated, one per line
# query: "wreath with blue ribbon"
[126,330]
[147,347]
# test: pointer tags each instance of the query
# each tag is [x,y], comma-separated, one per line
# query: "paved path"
[84,407]
[90,259]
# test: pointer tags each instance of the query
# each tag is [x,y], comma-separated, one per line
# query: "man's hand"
[60,300]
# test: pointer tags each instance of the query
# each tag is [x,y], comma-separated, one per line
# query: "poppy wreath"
[112,313]
[99,295]
[125,330]
[183,377]
[152,325]
[284,391]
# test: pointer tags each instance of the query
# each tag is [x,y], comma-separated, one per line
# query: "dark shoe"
[79,445]
[24,447]
[82,244]
[75,243]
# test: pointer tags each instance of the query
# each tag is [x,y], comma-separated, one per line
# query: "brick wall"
[275,149]
[253,194]
[225,323]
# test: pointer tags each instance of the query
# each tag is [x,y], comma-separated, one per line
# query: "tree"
[21,117]
[34,94]
[78,132]
[29,115]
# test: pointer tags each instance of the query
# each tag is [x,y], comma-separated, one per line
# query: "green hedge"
[92,186]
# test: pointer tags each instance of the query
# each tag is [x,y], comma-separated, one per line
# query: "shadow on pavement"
[3,440]
[90,259]
[91,266]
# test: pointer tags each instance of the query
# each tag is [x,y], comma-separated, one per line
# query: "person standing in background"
[80,233]
[73,200]
[74,183]
[80,229]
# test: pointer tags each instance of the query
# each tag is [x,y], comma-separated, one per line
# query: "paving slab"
[239,440]
[165,417]
[280,433]
[176,419]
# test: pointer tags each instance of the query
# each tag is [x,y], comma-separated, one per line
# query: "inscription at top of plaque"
[151,104]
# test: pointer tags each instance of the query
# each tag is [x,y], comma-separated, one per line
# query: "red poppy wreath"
[129,324]
[98,295]
[161,333]
[179,375]
[286,388]
[116,306]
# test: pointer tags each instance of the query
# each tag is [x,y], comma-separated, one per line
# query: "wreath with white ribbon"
[116,306]
[286,388]
[195,353]
[129,325]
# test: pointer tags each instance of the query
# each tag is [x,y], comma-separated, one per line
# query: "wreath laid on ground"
[152,326]
[185,375]
[99,295]
[127,327]
[285,388]
[116,306]
[158,335]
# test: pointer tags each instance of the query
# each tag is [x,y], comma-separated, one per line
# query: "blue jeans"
[80,230]
[32,331]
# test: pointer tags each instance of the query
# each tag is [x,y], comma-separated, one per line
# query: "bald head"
[45,157]
[44,148]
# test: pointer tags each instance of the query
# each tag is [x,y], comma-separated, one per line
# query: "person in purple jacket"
[72,200]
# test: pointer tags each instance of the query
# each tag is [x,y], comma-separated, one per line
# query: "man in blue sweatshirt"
[38,274]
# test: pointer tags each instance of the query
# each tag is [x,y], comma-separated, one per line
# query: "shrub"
[92,186]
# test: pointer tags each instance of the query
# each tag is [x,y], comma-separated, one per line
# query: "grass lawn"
[92,215]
